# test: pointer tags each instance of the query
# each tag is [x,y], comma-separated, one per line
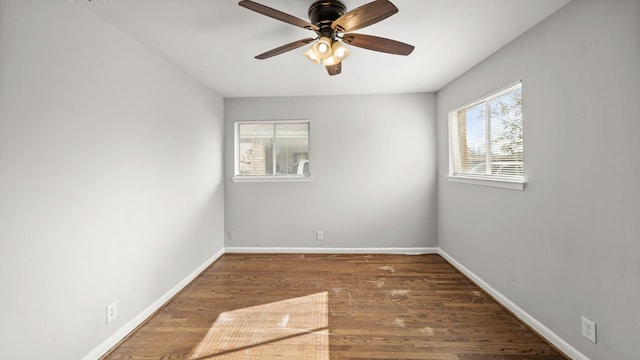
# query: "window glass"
[271,149]
[255,144]
[292,149]
[486,137]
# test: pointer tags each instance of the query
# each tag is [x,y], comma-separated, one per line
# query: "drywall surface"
[568,244]
[110,178]
[373,162]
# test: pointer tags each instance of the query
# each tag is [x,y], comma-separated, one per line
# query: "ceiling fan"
[329,19]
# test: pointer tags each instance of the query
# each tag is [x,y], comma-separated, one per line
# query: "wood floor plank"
[377,307]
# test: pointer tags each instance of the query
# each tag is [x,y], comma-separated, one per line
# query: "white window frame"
[265,178]
[513,183]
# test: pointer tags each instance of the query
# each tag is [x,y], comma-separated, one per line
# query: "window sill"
[499,183]
[272,179]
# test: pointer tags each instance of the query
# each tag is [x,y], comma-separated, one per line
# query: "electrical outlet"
[112,312]
[589,329]
[231,235]
[319,235]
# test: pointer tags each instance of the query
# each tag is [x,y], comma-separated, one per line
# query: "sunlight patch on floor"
[295,328]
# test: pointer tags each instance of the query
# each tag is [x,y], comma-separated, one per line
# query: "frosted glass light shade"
[322,48]
[311,56]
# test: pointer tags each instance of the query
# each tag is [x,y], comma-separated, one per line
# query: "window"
[486,138]
[272,150]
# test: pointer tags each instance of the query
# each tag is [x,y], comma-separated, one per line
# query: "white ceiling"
[216,41]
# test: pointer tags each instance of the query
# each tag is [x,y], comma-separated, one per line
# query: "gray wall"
[373,159]
[110,178]
[569,244]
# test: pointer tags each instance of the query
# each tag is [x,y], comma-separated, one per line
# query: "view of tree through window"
[273,149]
[487,136]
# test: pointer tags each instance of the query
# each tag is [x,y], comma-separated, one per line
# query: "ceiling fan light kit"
[327,52]
[329,18]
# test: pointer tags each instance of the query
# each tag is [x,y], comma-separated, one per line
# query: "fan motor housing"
[323,12]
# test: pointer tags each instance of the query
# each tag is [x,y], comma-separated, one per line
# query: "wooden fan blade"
[277,14]
[284,48]
[334,69]
[364,15]
[378,44]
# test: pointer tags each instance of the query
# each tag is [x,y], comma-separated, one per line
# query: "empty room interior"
[445,179]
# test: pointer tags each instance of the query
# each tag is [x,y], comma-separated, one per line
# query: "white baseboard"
[304,250]
[127,328]
[544,331]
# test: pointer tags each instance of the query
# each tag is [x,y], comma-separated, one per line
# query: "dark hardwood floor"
[333,307]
